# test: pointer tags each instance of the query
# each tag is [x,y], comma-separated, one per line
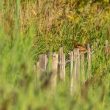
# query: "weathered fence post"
[42,65]
[78,66]
[43,62]
[75,70]
[106,48]
[89,61]
[82,68]
[53,79]
[38,70]
[71,73]
[64,64]
[61,64]
[75,79]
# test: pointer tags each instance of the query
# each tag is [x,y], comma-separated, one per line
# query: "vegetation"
[31,27]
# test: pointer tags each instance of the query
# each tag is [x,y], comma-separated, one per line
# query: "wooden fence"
[54,64]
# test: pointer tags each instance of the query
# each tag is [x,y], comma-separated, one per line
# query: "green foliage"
[29,28]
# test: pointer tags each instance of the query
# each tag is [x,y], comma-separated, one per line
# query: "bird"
[82,48]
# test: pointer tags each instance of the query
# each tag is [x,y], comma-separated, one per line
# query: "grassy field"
[31,27]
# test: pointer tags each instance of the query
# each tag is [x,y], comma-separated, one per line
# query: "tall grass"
[29,28]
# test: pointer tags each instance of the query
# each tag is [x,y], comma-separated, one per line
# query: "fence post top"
[106,42]
[88,45]
[55,54]
[42,55]
[61,47]
[71,52]
[76,50]
[61,50]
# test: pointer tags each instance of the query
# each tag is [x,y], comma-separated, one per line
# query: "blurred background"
[29,28]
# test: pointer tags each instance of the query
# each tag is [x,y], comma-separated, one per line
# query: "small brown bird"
[81,48]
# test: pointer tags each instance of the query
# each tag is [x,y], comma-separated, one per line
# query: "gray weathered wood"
[71,72]
[89,61]
[61,64]
[106,48]
[53,79]
[82,68]
[75,64]
[38,70]
[75,74]
[43,62]
[38,76]
[64,70]
[78,66]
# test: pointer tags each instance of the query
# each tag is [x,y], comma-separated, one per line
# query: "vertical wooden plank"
[71,72]
[74,71]
[43,62]
[38,76]
[38,70]
[41,66]
[53,79]
[89,61]
[49,64]
[75,80]
[61,64]
[106,48]
[64,69]
[78,66]
[82,68]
